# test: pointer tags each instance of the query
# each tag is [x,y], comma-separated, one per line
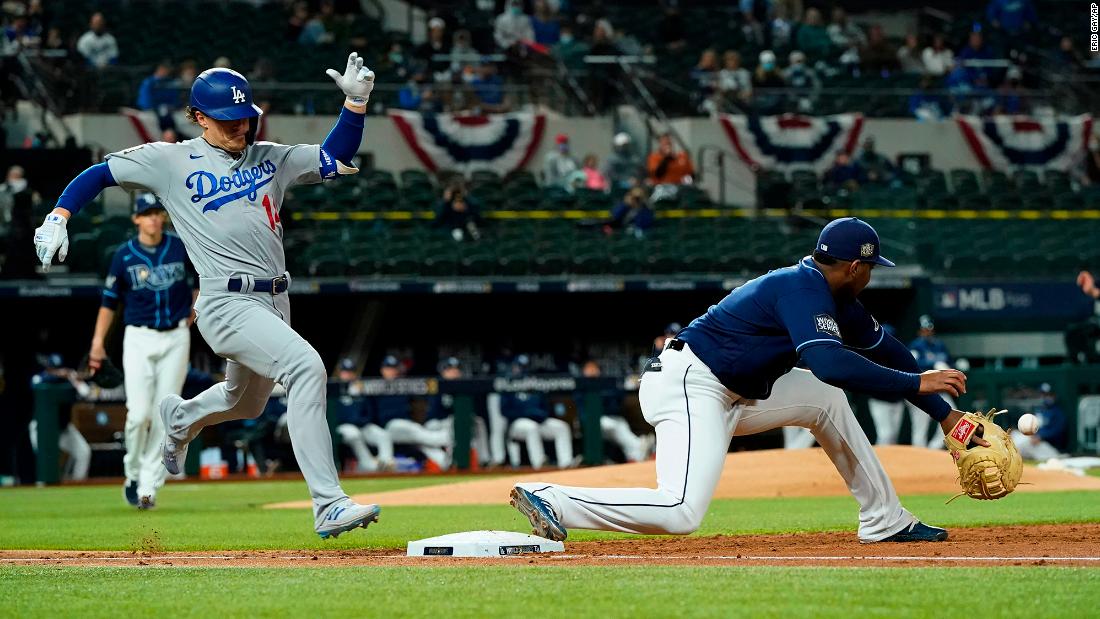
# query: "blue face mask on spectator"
[768,66]
[566,38]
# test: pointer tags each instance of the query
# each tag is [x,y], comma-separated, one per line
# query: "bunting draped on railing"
[500,142]
[790,140]
[1008,142]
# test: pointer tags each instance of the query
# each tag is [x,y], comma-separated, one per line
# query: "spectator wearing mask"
[804,80]
[879,56]
[317,28]
[667,165]
[1014,17]
[17,202]
[299,16]
[593,177]
[877,169]
[559,164]
[512,28]
[545,24]
[530,422]
[938,58]
[842,32]
[632,215]
[459,214]
[613,426]
[844,174]
[623,167]
[488,86]
[734,81]
[1048,442]
[767,77]
[909,55]
[437,45]
[569,50]
[812,37]
[98,47]
[394,414]
[463,52]
[356,427]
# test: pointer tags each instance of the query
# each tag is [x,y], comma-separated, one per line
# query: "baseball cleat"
[147,502]
[917,532]
[173,453]
[543,521]
[345,516]
[129,492]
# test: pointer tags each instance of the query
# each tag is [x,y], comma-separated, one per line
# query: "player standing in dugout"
[223,191]
[153,279]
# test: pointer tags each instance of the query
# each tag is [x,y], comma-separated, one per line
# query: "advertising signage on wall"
[1047,301]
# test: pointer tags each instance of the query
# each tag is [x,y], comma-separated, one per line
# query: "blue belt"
[275,285]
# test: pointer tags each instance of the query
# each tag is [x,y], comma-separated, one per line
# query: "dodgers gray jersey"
[226,210]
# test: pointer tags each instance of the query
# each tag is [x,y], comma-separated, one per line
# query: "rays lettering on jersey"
[246,182]
[160,277]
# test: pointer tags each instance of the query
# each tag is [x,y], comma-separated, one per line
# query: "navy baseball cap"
[390,361]
[146,202]
[851,239]
[347,364]
[673,328]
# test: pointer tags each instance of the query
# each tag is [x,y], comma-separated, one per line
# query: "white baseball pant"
[432,443]
[617,430]
[154,364]
[695,416]
[533,433]
[355,438]
[72,442]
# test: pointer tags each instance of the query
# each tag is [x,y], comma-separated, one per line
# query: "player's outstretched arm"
[343,141]
[52,237]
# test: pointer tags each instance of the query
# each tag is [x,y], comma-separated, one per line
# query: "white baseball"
[1028,424]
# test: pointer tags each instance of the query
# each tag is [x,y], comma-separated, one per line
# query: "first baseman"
[731,373]
[149,275]
[223,191]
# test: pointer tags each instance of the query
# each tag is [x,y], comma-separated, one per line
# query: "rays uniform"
[155,286]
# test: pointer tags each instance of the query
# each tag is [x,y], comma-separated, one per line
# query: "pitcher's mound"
[747,474]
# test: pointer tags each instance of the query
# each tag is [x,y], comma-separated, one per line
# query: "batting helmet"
[224,94]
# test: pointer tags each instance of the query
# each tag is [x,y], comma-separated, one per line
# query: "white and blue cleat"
[345,516]
[544,522]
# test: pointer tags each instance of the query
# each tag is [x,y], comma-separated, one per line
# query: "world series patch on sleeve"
[984,472]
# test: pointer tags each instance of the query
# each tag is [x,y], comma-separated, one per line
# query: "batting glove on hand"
[49,238]
[357,82]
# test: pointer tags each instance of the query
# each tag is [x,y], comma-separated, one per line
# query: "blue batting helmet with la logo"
[223,94]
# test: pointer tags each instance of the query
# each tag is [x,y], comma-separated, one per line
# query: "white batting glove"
[50,237]
[357,82]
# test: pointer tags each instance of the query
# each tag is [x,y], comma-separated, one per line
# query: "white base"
[482,544]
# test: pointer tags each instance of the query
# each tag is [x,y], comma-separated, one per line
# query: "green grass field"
[229,516]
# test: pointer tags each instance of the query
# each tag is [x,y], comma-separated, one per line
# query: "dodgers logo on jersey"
[247,182]
[827,324]
[156,278]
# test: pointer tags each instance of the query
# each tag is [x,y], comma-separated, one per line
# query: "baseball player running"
[223,191]
[149,275]
[729,373]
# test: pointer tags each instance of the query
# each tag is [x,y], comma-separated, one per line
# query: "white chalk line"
[641,558]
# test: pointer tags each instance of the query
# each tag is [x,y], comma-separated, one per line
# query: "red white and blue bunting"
[1010,142]
[790,140]
[500,142]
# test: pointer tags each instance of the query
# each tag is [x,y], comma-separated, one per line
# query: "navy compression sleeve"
[85,187]
[840,367]
[893,354]
[343,141]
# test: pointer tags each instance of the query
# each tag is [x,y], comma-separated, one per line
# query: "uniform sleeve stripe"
[881,336]
[110,294]
[807,342]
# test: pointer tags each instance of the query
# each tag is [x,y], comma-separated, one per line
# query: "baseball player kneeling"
[223,191]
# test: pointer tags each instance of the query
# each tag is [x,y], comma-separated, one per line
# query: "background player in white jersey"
[223,192]
[149,275]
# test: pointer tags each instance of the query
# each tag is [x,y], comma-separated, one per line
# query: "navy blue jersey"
[385,408]
[756,333]
[154,286]
[928,352]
